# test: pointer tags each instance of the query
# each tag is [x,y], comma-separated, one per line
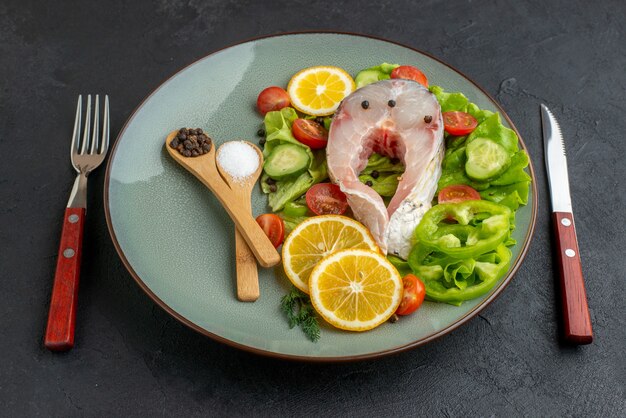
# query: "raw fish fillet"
[409,128]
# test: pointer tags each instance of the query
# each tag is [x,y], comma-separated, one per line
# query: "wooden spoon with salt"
[204,169]
[247,274]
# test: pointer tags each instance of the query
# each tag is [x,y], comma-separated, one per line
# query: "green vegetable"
[510,186]
[401,265]
[295,209]
[481,226]
[387,173]
[486,159]
[492,128]
[453,280]
[290,189]
[374,74]
[458,102]
[278,130]
[297,306]
[286,160]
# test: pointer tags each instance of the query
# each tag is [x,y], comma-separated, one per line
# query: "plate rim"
[319,359]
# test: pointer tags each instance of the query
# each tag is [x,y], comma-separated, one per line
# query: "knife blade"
[576,319]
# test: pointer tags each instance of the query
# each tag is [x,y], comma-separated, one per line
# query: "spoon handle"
[247,273]
[259,243]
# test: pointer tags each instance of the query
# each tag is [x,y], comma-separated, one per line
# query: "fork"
[86,155]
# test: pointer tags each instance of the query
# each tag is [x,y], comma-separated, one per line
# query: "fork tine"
[104,144]
[96,125]
[85,142]
[76,133]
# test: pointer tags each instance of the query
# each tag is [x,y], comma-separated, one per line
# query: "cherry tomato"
[272,98]
[459,123]
[310,133]
[326,199]
[408,72]
[273,227]
[413,296]
[457,193]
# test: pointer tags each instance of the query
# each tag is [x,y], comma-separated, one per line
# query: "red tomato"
[272,98]
[326,199]
[457,193]
[459,123]
[310,133]
[273,227]
[413,296]
[408,72]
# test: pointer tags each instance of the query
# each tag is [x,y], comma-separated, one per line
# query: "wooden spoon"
[204,169]
[247,274]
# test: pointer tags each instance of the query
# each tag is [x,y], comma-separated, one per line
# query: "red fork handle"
[62,315]
[576,319]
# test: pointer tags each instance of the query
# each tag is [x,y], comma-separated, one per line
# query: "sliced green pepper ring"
[481,226]
[454,281]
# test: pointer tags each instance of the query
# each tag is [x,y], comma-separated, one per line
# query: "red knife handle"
[62,315]
[577,322]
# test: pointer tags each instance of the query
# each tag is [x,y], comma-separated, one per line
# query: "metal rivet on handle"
[570,253]
[68,253]
[73,218]
[566,222]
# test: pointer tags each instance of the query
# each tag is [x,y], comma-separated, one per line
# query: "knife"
[577,322]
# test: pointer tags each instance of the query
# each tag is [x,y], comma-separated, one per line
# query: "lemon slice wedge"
[355,289]
[317,237]
[318,90]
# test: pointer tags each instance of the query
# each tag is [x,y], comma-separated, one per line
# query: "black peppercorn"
[394,161]
[428,118]
[369,183]
[391,103]
[174,143]
[375,174]
[270,181]
[365,104]
[262,141]
[273,188]
[260,132]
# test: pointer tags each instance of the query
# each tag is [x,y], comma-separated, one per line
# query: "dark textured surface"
[132,359]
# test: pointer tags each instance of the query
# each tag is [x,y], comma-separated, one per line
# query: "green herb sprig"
[297,306]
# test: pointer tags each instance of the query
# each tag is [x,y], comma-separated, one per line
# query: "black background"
[132,359]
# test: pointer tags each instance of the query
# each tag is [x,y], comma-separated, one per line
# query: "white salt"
[238,159]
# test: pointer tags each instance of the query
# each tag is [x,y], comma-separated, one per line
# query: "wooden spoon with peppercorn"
[204,168]
[242,183]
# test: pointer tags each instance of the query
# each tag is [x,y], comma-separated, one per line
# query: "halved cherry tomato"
[272,98]
[326,199]
[413,296]
[408,72]
[457,193]
[459,123]
[310,133]
[273,227]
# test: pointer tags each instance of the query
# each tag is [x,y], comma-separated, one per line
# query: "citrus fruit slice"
[318,90]
[317,237]
[355,289]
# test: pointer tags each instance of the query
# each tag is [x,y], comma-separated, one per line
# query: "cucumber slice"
[366,77]
[485,159]
[286,160]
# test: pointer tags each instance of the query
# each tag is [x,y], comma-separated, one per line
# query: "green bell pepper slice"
[481,226]
[454,281]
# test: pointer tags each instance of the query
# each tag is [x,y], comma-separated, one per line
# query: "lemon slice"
[355,290]
[318,91]
[317,237]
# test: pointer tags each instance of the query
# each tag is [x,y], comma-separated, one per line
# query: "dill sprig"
[297,306]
